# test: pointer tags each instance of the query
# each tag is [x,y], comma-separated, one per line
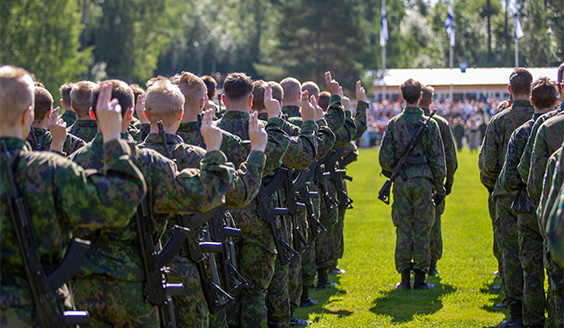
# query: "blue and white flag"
[518,30]
[384,26]
[449,25]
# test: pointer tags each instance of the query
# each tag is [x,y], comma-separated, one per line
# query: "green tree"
[43,37]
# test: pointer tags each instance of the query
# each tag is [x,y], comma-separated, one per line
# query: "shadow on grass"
[403,305]
[495,297]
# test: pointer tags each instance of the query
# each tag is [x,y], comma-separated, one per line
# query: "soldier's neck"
[191,115]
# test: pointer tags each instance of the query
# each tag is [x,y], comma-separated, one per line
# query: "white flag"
[384,26]
[449,25]
[518,30]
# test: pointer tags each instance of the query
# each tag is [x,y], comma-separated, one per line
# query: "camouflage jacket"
[40,140]
[360,119]
[548,139]
[62,196]
[554,209]
[509,178]
[495,143]
[397,135]
[84,129]
[552,183]
[525,164]
[346,133]
[169,191]
[68,117]
[448,144]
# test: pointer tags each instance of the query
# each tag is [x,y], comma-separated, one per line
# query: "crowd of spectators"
[468,120]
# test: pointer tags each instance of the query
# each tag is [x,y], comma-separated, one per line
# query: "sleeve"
[190,190]
[277,146]
[539,159]
[325,139]
[246,180]
[488,154]
[360,119]
[335,115]
[525,163]
[509,178]
[546,197]
[302,150]
[387,155]
[345,134]
[450,153]
[108,197]
[436,156]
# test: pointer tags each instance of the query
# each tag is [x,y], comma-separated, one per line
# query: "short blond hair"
[163,102]
[43,103]
[292,88]
[311,87]
[65,90]
[192,87]
[277,90]
[16,94]
[81,97]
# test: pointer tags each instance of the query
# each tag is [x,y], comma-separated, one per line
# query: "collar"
[292,111]
[521,103]
[263,116]
[413,110]
[87,123]
[189,126]
[236,115]
[155,138]
[426,111]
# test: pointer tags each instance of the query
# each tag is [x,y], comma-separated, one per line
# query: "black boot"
[405,282]
[433,268]
[323,279]
[294,321]
[305,301]
[420,282]
[515,317]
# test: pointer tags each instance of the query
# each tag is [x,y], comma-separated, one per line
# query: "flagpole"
[450,63]
[383,73]
[516,52]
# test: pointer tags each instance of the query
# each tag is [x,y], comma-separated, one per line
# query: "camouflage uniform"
[40,140]
[554,211]
[69,117]
[529,237]
[413,211]
[84,129]
[256,251]
[548,133]
[66,197]
[246,181]
[451,166]
[494,148]
[115,263]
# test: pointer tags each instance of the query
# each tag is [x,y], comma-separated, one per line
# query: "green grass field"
[365,296]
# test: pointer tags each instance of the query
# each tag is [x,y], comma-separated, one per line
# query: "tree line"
[70,40]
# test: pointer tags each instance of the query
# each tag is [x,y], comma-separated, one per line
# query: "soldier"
[493,151]
[169,192]
[543,97]
[67,197]
[69,117]
[40,138]
[85,126]
[451,165]
[256,248]
[413,210]
[458,132]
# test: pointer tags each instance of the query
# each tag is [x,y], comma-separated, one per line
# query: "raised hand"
[318,110]
[308,111]
[332,85]
[272,105]
[58,129]
[211,133]
[140,108]
[108,113]
[360,92]
[346,103]
[257,134]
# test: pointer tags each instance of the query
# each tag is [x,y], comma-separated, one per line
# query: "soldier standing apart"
[493,153]
[451,166]
[413,211]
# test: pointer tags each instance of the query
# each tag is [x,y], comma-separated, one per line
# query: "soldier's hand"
[140,108]
[272,105]
[308,111]
[360,92]
[318,110]
[58,129]
[346,103]
[211,133]
[108,113]
[332,85]
[257,134]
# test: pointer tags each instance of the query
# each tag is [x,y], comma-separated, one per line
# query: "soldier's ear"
[509,88]
[251,100]
[27,116]
[92,115]
[531,100]
[223,99]
[62,103]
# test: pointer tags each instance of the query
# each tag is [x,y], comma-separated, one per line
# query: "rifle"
[231,278]
[215,296]
[162,134]
[157,290]
[337,175]
[293,206]
[384,194]
[286,253]
[320,180]
[42,287]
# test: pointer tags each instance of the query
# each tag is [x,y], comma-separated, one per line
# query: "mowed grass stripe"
[365,295]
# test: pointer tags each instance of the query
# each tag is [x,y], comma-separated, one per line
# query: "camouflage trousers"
[256,256]
[555,296]
[338,241]
[114,303]
[325,246]
[295,282]
[413,213]
[308,266]
[190,308]
[277,297]
[496,233]
[509,247]
[531,257]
